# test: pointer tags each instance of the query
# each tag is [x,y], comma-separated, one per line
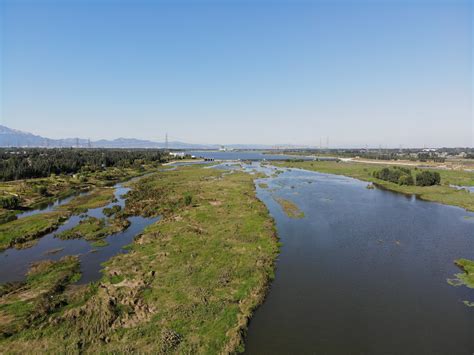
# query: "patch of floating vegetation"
[469,218]
[263,185]
[53,251]
[99,243]
[290,208]
[465,278]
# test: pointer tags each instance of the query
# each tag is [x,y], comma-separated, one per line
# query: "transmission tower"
[166,142]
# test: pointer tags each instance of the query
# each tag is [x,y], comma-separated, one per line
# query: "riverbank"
[188,284]
[442,193]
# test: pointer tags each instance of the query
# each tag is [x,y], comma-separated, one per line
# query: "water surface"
[363,273]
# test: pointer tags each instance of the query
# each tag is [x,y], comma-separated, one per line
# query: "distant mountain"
[14,138]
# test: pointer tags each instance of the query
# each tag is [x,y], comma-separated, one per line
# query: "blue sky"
[362,73]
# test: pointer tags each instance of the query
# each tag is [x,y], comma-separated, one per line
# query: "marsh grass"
[189,283]
[24,305]
[97,198]
[94,229]
[290,208]
[24,230]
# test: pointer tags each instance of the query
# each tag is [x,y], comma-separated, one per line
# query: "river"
[364,272]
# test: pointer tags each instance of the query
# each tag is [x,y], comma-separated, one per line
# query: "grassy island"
[290,208]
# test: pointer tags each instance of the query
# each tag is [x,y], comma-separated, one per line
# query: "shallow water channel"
[364,272]
[15,263]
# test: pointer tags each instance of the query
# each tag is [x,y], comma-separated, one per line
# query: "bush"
[397,175]
[108,212]
[9,202]
[428,178]
[7,217]
[188,199]
[406,180]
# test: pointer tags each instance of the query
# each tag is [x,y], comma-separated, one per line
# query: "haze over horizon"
[362,73]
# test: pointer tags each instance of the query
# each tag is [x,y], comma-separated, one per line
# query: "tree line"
[37,163]
[403,176]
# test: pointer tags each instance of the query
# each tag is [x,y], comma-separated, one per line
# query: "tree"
[428,178]
[406,180]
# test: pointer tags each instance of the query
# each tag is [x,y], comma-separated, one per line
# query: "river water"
[249,155]
[15,263]
[364,272]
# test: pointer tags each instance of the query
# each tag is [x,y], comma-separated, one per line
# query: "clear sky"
[365,72]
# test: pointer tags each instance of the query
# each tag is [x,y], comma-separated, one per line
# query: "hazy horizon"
[385,73]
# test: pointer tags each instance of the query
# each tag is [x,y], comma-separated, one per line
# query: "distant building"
[177,154]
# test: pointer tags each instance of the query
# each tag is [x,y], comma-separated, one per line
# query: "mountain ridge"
[10,137]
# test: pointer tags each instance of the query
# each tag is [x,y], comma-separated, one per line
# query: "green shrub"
[188,199]
[108,212]
[406,180]
[9,202]
[42,190]
[397,175]
[428,178]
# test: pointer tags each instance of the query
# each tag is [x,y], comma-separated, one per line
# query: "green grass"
[61,186]
[24,305]
[188,285]
[290,208]
[97,198]
[94,229]
[442,193]
[20,232]
[465,278]
[99,243]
